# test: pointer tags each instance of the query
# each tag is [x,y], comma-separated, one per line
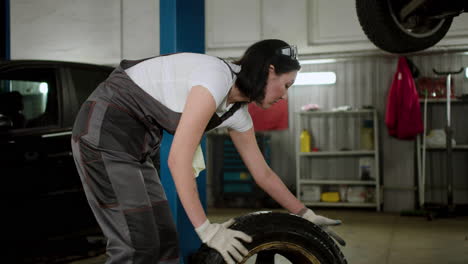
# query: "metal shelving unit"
[339,204]
[422,150]
[342,147]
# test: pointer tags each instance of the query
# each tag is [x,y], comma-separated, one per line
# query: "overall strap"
[236,105]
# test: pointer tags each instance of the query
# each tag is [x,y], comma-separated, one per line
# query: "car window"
[86,80]
[28,97]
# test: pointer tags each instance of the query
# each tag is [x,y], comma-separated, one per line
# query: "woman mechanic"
[119,128]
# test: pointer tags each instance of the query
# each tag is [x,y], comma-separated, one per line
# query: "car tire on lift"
[288,235]
[379,22]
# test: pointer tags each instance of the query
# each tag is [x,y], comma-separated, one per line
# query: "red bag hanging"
[403,116]
[273,118]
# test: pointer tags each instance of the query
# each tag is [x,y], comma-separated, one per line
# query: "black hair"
[255,64]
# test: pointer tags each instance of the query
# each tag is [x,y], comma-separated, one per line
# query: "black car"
[41,190]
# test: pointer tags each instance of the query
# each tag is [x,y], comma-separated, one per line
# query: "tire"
[290,236]
[384,29]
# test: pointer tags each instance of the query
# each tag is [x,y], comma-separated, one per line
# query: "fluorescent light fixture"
[315,78]
[466,72]
[317,61]
[43,88]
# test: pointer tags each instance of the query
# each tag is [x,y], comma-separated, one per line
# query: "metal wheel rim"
[409,32]
[285,246]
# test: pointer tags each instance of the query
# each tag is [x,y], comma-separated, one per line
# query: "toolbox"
[232,180]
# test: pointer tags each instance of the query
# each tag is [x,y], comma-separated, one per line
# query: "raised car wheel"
[381,23]
[279,236]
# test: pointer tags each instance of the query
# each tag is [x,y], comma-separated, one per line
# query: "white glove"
[224,240]
[324,223]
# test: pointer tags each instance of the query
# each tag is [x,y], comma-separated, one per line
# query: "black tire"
[382,27]
[293,237]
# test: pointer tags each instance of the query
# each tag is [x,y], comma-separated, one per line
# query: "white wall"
[140,28]
[101,32]
[315,26]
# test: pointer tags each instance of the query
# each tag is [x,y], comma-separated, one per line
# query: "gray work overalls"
[116,132]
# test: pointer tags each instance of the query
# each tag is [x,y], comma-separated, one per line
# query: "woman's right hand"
[324,223]
[226,241]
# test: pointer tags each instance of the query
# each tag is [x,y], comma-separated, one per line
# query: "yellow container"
[305,141]
[331,197]
[367,135]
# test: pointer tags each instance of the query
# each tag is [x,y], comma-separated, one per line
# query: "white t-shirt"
[169,79]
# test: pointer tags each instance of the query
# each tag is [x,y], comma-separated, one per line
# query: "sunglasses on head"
[290,51]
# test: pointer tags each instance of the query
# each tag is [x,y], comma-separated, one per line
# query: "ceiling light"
[317,61]
[315,78]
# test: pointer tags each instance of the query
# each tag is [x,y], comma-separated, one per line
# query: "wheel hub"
[285,249]
[416,25]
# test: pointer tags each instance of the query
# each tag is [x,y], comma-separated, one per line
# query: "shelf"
[436,168]
[337,182]
[442,100]
[338,153]
[456,147]
[319,112]
[339,204]
[337,123]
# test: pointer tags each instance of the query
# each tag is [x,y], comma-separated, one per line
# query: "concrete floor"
[383,238]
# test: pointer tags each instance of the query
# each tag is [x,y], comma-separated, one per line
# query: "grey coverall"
[116,132]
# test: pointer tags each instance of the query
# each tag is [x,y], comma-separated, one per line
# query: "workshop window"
[86,80]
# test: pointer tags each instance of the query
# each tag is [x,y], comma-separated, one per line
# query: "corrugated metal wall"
[364,80]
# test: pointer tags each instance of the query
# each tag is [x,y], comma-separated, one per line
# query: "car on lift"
[41,189]
[403,26]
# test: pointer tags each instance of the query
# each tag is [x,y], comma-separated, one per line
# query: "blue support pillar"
[182,29]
